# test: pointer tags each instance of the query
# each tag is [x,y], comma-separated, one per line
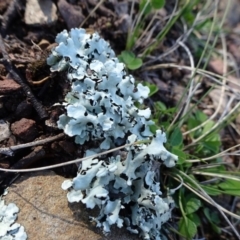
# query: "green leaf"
[192,123]
[192,205]
[181,155]
[214,137]
[207,214]
[130,60]
[230,187]
[158,4]
[195,218]
[176,137]
[211,190]
[188,11]
[208,126]
[160,106]
[216,228]
[211,220]
[202,117]
[146,6]
[127,56]
[153,128]
[215,217]
[152,87]
[165,125]
[135,64]
[216,169]
[187,228]
[207,147]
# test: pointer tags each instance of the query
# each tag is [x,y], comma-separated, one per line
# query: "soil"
[28,90]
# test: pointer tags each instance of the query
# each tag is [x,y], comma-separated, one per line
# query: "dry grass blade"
[69,162]
[10,150]
[202,194]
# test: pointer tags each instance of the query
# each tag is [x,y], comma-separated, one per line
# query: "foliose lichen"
[101,107]
[9,230]
[100,104]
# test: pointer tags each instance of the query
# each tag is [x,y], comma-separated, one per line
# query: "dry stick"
[35,155]
[9,150]
[73,161]
[14,73]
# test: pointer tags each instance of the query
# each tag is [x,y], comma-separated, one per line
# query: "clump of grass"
[194,136]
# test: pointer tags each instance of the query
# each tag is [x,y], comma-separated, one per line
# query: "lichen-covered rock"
[4,130]
[9,230]
[46,214]
[114,184]
[101,106]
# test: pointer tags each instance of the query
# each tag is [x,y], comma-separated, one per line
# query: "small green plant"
[146,8]
[195,137]
[204,175]
[130,60]
[137,30]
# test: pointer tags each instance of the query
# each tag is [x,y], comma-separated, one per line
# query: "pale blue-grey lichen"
[101,103]
[101,107]
[9,229]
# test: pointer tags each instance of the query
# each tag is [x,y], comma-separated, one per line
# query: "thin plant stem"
[214,156]
[91,13]
[212,202]
[73,161]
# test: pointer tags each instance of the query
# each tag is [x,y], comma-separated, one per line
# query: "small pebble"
[8,86]
[40,12]
[4,130]
[25,129]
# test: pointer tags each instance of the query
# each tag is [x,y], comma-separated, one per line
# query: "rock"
[71,14]
[46,214]
[24,109]
[10,230]
[8,86]
[40,12]
[2,110]
[25,129]
[4,130]
[68,147]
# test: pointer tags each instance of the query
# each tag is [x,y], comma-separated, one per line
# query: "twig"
[14,72]
[10,150]
[26,161]
[72,161]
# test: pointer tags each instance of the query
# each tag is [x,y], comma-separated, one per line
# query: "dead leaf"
[215,95]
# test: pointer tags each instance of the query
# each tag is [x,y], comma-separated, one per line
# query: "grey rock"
[4,130]
[40,12]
